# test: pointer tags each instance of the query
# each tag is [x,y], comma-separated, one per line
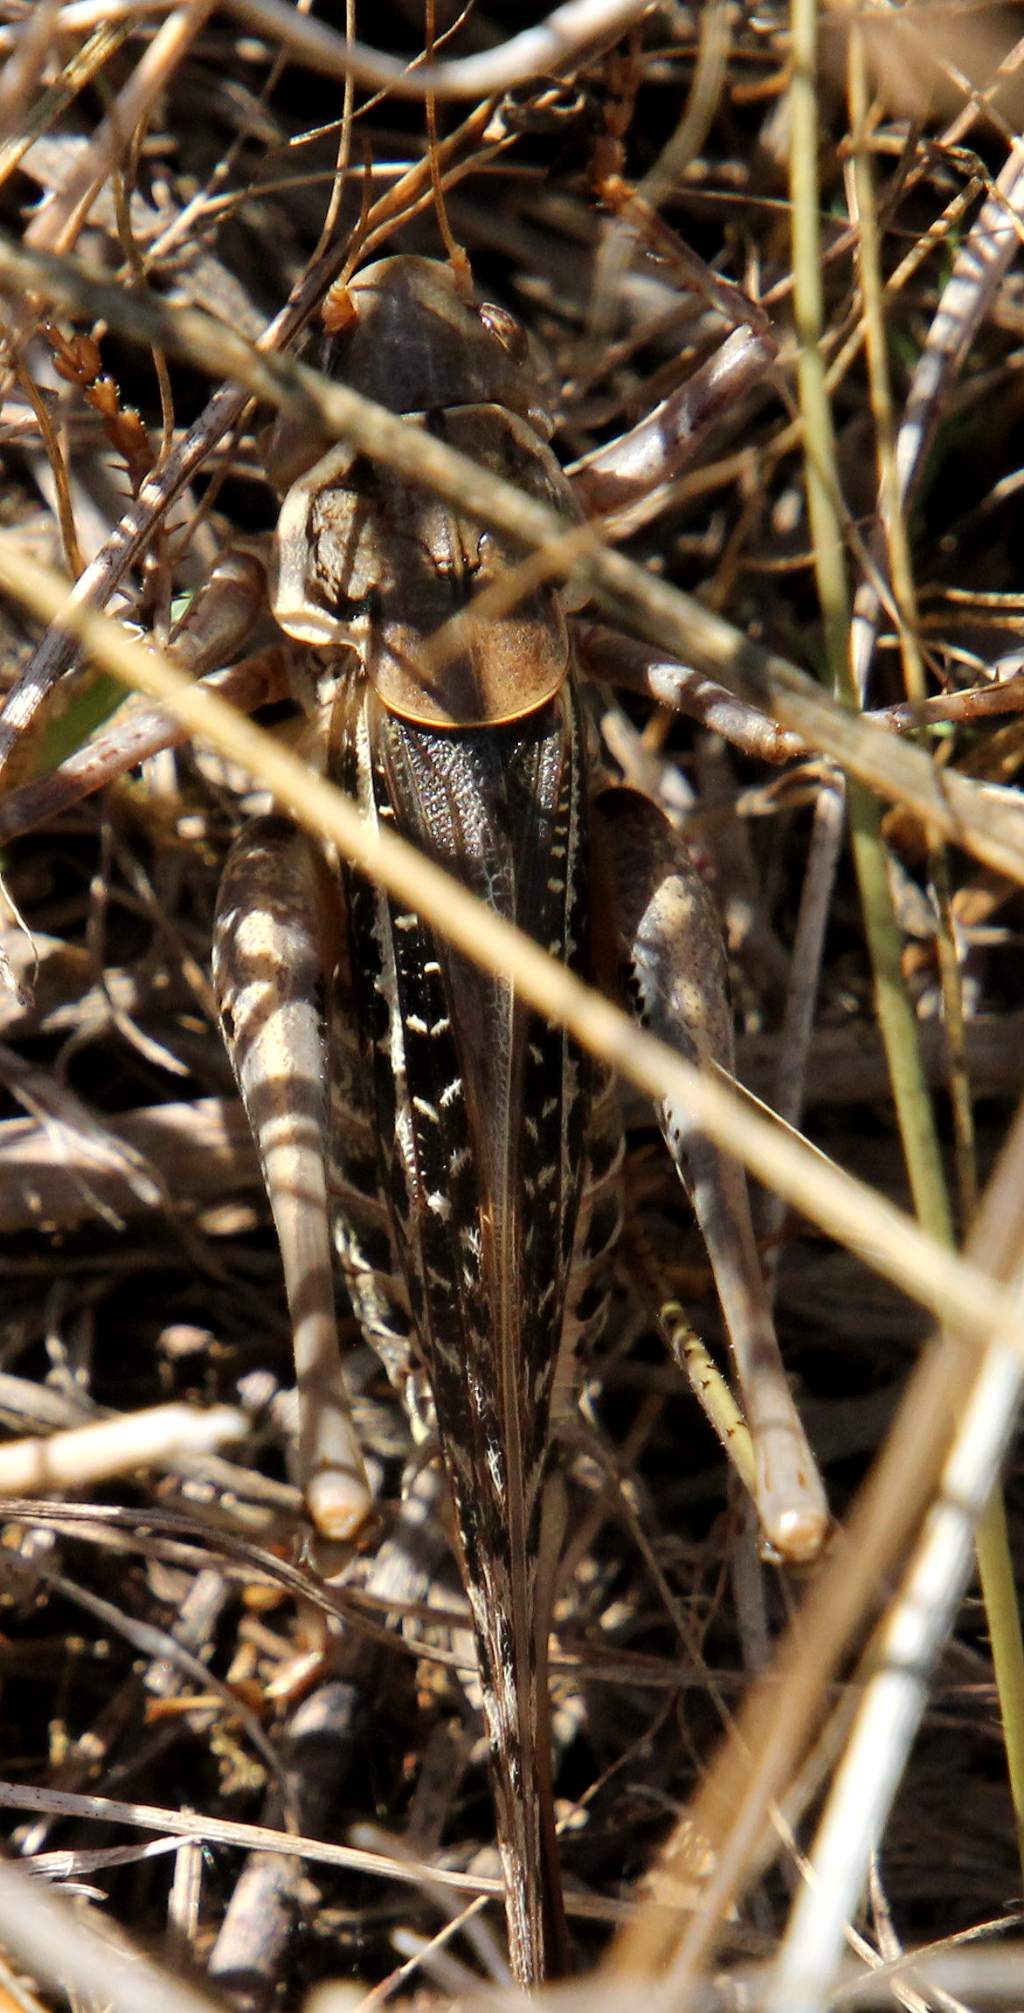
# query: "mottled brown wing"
[482,1113]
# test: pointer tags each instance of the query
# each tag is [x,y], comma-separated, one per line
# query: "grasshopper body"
[468,1149]
[459,1119]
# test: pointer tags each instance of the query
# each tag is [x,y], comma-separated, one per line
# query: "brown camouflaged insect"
[419,1124]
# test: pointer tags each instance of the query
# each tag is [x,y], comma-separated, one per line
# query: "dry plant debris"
[262,1779]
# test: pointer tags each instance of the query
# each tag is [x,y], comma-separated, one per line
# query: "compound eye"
[511,335]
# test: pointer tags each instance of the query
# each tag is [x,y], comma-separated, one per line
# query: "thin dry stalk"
[903,1652]
[89,1454]
[885,1237]
[141,521]
[987,824]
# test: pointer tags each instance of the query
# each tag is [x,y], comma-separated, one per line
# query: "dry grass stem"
[902,1653]
[89,1454]
[887,1239]
[983,821]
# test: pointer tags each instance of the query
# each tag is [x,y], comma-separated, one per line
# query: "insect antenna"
[458,258]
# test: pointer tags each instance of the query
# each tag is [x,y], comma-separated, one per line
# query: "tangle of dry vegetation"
[263,1781]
